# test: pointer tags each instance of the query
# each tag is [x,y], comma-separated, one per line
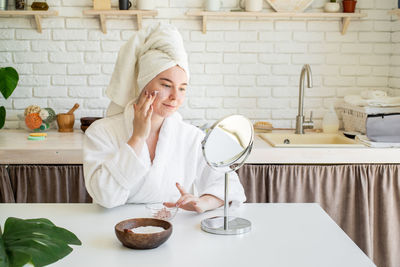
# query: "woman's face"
[171,86]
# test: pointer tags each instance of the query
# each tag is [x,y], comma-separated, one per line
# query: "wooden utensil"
[75,107]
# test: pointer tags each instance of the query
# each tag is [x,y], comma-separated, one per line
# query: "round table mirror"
[226,146]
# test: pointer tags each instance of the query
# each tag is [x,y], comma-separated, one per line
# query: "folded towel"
[355,100]
[364,140]
[373,94]
[386,101]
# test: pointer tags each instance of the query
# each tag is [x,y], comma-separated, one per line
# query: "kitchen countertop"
[282,235]
[57,148]
[66,148]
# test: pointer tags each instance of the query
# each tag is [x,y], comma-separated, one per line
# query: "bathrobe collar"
[164,147]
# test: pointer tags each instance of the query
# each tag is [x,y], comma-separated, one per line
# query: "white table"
[282,235]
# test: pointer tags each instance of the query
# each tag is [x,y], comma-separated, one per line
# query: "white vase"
[332,7]
[251,5]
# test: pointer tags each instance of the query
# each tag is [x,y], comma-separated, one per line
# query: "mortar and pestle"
[65,121]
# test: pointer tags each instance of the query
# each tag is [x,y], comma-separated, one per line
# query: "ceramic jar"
[251,5]
[331,7]
[212,5]
[145,4]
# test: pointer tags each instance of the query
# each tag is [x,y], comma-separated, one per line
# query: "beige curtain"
[48,184]
[364,200]
[6,192]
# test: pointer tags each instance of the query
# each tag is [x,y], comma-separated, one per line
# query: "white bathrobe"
[115,174]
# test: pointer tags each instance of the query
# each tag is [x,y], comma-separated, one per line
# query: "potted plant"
[332,6]
[37,242]
[349,6]
[8,81]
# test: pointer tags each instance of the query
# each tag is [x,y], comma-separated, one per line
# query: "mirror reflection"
[227,141]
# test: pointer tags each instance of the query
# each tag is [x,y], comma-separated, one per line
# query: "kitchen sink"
[308,140]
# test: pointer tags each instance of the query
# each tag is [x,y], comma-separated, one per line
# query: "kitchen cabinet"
[43,184]
[48,171]
[363,199]
[358,187]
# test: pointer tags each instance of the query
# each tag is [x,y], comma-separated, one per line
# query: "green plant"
[333,1]
[35,241]
[8,82]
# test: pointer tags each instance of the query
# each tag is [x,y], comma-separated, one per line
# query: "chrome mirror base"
[216,225]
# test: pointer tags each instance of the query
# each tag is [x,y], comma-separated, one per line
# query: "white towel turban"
[146,54]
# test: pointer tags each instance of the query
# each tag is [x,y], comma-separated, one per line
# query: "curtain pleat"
[364,200]
[48,184]
[6,192]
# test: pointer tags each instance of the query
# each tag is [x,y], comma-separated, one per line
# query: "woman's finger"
[148,102]
[192,201]
[149,113]
[169,204]
[181,199]
[181,189]
[142,98]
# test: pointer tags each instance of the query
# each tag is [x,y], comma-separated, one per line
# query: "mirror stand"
[226,146]
[225,225]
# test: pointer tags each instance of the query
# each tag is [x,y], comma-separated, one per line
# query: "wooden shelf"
[116,12]
[38,14]
[346,17]
[395,12]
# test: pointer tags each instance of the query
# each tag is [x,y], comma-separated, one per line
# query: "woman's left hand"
[186,201]
[192,203]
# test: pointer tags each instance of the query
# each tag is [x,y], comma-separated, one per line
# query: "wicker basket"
[355,117]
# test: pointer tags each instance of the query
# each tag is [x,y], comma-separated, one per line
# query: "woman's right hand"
[142,117]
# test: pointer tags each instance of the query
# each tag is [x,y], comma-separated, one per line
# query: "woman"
[145,152]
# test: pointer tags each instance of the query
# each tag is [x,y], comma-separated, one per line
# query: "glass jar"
[39,5]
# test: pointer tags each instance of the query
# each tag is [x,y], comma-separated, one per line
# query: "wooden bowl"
[86,121]
[84,127]
[142,241]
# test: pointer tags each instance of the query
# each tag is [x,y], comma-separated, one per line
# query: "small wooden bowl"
[142,241]
[86,121]
[84,127]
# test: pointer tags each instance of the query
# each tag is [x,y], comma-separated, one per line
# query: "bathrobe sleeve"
[112,171]
[210,181]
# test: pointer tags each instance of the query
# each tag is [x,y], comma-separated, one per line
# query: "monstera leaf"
[35,241]
[8,81]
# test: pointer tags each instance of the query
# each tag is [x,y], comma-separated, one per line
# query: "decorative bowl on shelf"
[159,211]
[289,5]
[143,233]
[87,121]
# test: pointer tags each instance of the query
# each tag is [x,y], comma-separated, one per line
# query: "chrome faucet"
[300,123]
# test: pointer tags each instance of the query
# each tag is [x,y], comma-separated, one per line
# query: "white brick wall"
[241,65]
[394,71]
